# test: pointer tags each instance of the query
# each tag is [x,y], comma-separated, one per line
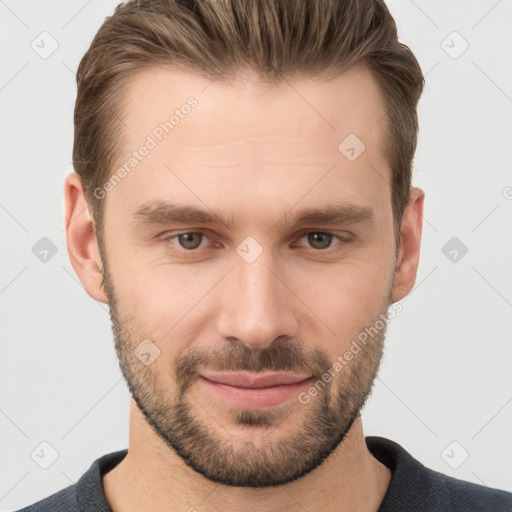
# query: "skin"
[251,153]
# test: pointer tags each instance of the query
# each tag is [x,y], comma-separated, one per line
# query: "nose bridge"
[256,307]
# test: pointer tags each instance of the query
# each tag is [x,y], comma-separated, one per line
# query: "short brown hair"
[277,39]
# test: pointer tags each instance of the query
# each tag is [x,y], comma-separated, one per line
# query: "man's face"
[256,296]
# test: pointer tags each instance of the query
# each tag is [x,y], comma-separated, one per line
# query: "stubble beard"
[263,458]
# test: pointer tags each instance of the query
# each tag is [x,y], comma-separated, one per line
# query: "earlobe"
[409,254]
[81,239]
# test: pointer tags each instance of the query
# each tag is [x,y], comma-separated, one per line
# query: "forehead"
[349,103]
[244,137]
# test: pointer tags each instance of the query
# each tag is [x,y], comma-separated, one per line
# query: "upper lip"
[254,380]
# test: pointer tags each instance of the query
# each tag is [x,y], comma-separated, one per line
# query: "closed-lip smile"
[254,380]
[254,390]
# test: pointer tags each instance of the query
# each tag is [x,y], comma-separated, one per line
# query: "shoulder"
[460,495]
[84,496]
[416,487]
[63,501]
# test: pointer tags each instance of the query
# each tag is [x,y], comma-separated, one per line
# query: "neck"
[153,477]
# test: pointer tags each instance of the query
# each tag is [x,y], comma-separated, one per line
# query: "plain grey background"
[445,389]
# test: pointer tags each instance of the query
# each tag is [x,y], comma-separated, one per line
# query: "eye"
[192,240]
[189,240]
[320,240]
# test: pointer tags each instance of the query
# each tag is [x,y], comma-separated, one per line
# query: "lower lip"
[255,398]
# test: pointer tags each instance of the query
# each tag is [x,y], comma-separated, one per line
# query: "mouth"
[249,390]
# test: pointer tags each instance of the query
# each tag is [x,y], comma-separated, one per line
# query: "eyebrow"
[162,212]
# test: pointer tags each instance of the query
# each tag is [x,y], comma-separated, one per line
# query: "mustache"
[238,357]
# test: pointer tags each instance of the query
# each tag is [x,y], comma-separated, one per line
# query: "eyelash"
[168,238]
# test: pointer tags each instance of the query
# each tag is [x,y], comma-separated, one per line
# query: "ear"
[409,254]
[81,239]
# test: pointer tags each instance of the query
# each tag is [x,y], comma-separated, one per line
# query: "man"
[242,202]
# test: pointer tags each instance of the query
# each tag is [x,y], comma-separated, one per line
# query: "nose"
[257,305]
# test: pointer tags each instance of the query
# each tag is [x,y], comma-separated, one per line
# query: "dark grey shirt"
[413,487]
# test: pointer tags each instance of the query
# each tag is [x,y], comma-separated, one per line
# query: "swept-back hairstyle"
[276,39]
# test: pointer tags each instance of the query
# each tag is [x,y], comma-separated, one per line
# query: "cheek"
[165,303]
[346,297]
